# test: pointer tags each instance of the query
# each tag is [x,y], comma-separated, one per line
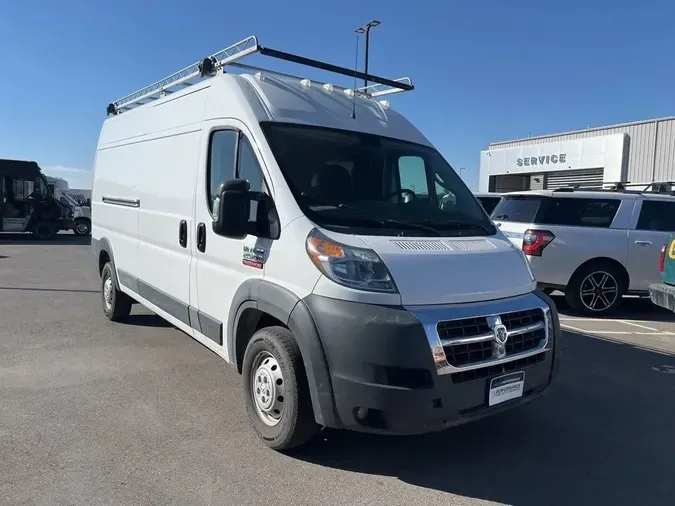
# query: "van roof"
[257,94]
[17,168]
[253,99]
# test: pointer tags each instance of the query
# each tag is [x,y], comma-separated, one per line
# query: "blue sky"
[484,70]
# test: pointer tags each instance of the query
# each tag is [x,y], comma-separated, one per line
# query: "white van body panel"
[453,270]
[157,155]
[292,102]
[116,176]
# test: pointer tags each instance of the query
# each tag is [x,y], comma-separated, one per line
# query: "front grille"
[494,370]
[471,340]
[460,355]
[522,318]
[467,327]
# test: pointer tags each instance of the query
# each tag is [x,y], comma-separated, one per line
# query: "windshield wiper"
[376,219]
[457,225]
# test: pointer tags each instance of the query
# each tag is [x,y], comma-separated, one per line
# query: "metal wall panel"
[537,181]
[651,147]
[583,178]
[664,166]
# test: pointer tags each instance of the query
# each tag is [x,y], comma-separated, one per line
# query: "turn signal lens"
[358,268]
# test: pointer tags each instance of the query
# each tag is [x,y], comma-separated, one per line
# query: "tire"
[82,226]
[116,304]
[585,293]
[44,230]
[284,418]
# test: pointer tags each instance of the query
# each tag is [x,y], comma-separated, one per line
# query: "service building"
[638,152]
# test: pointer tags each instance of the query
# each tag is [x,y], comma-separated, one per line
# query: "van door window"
[249,169]
[22,188]
[221,161]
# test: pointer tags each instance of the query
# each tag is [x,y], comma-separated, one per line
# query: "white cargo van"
[314,239]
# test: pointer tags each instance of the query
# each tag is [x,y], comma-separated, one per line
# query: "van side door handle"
[201,237]
[182,233]
[643,243]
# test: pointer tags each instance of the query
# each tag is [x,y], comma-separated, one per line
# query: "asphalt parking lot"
[93,413]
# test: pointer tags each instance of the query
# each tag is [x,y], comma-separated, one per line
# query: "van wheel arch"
[105,255]
[258,304]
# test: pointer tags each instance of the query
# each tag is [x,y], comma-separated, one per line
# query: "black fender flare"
[289,309]
[97,247]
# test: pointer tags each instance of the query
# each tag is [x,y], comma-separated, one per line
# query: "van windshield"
[358,183]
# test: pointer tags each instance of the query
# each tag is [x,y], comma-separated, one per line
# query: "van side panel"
[166,189]
[150,156]
[115,182]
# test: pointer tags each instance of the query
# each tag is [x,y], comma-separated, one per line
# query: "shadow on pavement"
[146,320]
[59,239]
[602,435]
[631,308]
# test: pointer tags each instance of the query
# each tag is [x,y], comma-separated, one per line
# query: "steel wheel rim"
[268,389]
[82,228]
[107,292]
[598,291]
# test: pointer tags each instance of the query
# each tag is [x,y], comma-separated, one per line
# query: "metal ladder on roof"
[211,65]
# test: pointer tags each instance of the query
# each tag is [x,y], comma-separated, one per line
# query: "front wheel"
[595,289]
[277,395]
[82,226]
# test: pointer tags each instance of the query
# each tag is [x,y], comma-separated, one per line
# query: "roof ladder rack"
[211,65]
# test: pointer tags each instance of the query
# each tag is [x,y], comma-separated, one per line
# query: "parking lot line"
[617,332]
[639,326]
[608,320]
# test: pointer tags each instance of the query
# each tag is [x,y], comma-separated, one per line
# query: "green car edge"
[663,294]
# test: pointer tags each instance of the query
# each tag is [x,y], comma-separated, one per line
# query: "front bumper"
[386,379]
[663,295]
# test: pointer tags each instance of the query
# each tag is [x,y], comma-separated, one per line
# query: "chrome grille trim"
[431,316]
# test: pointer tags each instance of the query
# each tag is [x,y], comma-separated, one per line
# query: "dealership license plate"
[507,387]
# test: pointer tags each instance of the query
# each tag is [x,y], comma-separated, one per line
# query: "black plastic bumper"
[384,380]
[663,295]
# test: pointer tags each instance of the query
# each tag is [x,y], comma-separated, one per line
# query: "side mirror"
[232,208]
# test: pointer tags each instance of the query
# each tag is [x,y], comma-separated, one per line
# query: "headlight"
[358,268]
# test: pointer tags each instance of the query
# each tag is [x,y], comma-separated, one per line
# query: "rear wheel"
[82,226]
[277,395]
[596,289]
[45,230]
[116,304]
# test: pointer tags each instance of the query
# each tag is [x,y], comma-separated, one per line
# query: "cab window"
[231,156]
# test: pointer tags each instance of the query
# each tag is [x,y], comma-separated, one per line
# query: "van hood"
[454,269]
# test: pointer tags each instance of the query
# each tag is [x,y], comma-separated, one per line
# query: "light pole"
[366,29]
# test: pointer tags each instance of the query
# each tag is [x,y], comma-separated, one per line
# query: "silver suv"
[595,246]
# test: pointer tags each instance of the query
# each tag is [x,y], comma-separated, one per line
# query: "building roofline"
[594,129]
